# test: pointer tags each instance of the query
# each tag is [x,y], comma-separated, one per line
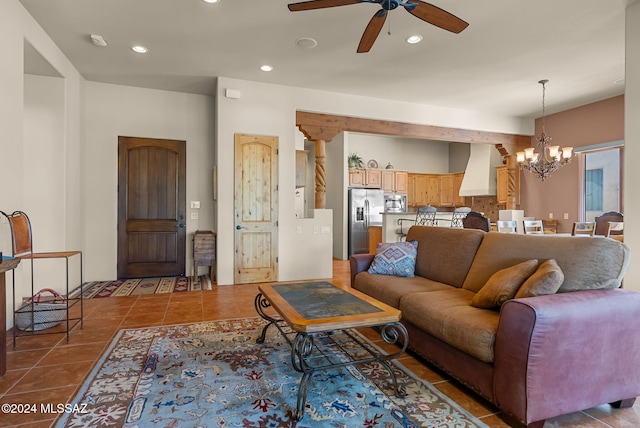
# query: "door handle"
[181,226]
[238,227]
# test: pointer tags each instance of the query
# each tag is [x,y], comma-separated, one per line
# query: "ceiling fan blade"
[320,4]
[371,32]
[436,16]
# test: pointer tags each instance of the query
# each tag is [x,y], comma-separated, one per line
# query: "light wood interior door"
[151,207]
[256,208]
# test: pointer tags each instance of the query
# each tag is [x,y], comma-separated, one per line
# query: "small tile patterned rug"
[214,374]
[139,286]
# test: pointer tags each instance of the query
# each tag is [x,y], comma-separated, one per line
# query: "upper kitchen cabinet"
[447,197]
[502,185]
[450,190]
[438,190]
[371,178]
[423,189]
[394,181]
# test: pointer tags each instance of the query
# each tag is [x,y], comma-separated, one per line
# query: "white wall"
[407,154]
[17,154]
[337,182]
[632,144]
[112,111]
[265,109]
[44,172]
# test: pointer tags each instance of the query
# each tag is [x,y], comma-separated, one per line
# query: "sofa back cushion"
[445,254]
[588,263]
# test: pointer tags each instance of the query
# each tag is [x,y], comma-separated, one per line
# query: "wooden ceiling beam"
[319,126]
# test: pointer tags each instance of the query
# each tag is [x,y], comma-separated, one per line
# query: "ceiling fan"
[425,11]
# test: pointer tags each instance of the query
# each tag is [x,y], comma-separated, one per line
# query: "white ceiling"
[493,66]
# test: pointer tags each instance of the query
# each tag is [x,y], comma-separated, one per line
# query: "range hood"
[480,174]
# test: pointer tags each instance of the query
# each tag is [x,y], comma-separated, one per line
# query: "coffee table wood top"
[321,306]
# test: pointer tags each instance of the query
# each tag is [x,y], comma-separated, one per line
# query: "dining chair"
[458,215]
[533,227]
[616,228]
[550,226]
[475,220]
[583,228]
[507,226]
[602,222]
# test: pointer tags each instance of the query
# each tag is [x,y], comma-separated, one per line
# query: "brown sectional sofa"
[536,357]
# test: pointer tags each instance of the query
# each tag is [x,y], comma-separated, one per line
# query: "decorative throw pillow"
[503,285]
[395,258]
[547,279]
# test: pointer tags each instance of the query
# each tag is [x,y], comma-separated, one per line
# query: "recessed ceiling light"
[306,43]
[211,1]
[266,67]
[139,49]
[416,38]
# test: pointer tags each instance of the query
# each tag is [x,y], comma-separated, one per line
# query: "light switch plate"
[195,204]
[194,216]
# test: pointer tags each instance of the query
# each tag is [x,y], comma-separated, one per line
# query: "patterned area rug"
[214,374]
[133,287]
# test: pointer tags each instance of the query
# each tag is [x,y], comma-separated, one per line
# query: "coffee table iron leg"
[301,348]
[261,303]
[391,333]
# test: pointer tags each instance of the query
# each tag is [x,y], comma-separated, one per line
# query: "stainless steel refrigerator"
[365,209]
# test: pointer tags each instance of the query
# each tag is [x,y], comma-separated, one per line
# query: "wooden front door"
[151,207]
[256,208]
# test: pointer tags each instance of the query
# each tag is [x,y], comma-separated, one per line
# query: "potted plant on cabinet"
[354,161]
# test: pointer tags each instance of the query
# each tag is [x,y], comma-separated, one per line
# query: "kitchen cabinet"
[394,181]
[450,190]
[375,236]
[438,190]
[457,183]
[371,178]
[424,189]
[433,190]
[502,185]
[447,198]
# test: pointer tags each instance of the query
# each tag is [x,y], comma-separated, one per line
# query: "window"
[601,189]
[593,189]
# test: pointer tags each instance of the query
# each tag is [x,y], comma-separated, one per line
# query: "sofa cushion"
[547,279]
[503,285]
[449,316]
[445,254]
[587,262]
[395,258]
[389,289]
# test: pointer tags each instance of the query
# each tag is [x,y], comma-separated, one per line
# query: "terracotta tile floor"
[46,369]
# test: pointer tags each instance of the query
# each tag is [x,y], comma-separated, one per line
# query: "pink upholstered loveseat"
[534,358]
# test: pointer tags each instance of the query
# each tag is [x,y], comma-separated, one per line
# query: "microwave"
[394,203]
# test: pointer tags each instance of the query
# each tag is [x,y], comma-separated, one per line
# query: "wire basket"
[38,314]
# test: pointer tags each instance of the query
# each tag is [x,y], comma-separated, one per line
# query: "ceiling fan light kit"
[422,10]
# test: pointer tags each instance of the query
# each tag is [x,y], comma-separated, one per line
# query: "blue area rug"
[214,374]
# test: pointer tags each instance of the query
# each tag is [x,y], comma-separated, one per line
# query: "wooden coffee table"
[317,319]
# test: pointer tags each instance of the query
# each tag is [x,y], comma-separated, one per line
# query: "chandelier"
[548,158]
